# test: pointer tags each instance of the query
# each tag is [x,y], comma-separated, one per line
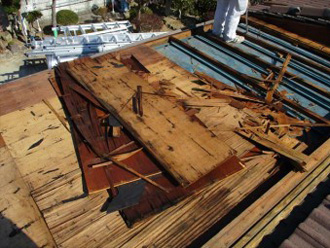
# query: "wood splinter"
[270,93]
[119,157]
[137,101]
[124,166]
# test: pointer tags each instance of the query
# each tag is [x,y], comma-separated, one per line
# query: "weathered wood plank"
[256,212]
[23,92]
[162,69]
[21,224]
[164,129]
[41,146]
[73,222]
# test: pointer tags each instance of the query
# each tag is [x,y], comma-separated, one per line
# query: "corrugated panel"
[296,92]
[314,231]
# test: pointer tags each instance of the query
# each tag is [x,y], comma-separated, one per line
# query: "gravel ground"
[18,65]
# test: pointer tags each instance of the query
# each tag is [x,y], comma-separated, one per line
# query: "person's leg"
[220,16]
[236,9]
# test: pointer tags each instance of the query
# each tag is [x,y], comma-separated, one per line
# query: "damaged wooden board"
[163,70]
[88,128]
[184,148]
[21,224]
[154,200]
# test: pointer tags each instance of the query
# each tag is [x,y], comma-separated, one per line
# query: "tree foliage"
[254,2]
[11,6]
[32,16]
[184,6]
[148,22]
[66,17]
[103,12]
[204,6]
[141,4]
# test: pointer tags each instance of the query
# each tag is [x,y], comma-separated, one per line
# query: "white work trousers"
[227,16]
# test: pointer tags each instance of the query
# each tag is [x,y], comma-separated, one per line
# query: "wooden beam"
[298,158]
[244,78]
[118,157]
[125,167]
[259,211]
[270,93]
[269,222]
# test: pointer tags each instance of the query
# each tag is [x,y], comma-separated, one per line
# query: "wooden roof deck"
[39,158]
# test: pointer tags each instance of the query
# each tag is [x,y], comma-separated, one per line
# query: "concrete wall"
[81,7]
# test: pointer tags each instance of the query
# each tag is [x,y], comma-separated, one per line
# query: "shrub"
[148,23]
[184,6]
[209,15]
[146,10]
[133,12]
[66,17]
[205,6]
[32,16]
[103,12]
[11,6]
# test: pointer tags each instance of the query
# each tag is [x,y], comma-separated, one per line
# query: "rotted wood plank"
[93,143]
[165,131]
[32,131]
[262,139]
[163,70]
[154,201]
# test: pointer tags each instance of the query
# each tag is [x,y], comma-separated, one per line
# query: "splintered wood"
[232,114]
[184,148]
[250,117]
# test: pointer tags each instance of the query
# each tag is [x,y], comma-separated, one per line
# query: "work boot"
[237,40]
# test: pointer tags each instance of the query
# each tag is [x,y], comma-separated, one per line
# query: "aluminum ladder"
[63,49]
[95,28]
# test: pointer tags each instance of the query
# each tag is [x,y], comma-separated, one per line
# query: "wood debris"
[270,93]
[112,159]
[159,118]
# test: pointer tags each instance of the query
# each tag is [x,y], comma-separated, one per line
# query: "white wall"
[45,6]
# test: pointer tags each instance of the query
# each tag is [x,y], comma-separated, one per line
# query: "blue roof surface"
[304,96]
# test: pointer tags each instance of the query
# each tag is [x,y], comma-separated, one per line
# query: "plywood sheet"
[24,92]
[186,149]
[21,224]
